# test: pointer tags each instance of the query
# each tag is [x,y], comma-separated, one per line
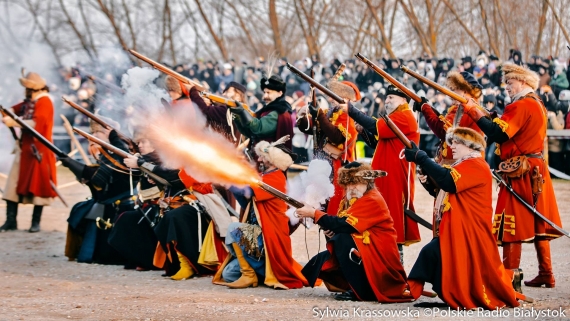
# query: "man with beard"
[362,256]
[519,134]
[33,171]
[398,188]
[271,122]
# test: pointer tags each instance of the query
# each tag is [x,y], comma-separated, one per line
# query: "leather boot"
[185,271]
[11,213]
[545,276]
[512,255]
[417,289]
[36,217]
[248,277]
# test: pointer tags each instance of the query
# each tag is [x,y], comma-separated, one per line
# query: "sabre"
[527,205]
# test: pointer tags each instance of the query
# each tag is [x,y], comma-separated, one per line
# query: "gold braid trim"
[498,149]
[485,297]
[444,149]
[446,204]
[446,122]
[454,173]
[365,237]
[503,124]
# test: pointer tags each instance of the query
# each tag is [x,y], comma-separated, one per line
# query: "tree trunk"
[492,44]
[541,24]
[274,20]
[479,44]
[385,41]
[219,42]
[76,31]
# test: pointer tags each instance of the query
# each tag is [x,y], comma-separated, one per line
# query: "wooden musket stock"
[271,190]
[224,101]
[167,70]
[388,77]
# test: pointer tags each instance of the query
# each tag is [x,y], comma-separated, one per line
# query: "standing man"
[271,122]
[519,134]
[33,172]
[335,133]
[398,187]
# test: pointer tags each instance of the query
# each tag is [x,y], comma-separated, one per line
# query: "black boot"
[11,212]
[36,216]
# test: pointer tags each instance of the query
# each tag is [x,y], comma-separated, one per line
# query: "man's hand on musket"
[131,161]
[305,211]
[473,110]
[8,121]
[189,86]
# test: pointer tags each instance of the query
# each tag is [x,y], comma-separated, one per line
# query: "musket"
[388,77]
[440,88]
[44,141]
[166,70]
[315,84]
[121,153]
[69,130]
[224,101]
[277,193]
[527,205]
[100,121]
[106,84]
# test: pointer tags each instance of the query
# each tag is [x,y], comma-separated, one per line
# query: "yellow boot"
[185,271]
[248,277]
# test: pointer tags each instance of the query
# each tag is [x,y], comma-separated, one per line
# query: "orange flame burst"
[183,142]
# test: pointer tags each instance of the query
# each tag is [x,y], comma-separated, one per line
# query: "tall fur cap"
[466,136]
[358,173]
[277,154]
[345,89]
[514,71]
[456,80]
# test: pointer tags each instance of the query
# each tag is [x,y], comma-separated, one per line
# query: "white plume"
[312,186]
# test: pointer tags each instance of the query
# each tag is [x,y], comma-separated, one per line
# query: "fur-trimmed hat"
[514,71]
[33,81]
[358,173]
[274,83]
[466,136]
[172,84]
[345,89]
[464,81]
[276,153]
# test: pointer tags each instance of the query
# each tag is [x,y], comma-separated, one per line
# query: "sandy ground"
[38,283]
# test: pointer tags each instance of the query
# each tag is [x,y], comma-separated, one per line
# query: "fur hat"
[95,126]
[345,89]
[276,153]
[274,83]
[464,81]
[466,136]
[33,81]
[172,84]
[514,71]
[358,173]
[236,86]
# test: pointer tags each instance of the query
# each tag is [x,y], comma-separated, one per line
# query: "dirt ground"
[38,283]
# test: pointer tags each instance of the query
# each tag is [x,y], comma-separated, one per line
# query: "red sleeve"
[514,118]
[16,108]
[191,183]
[402,120]
[437,123]
[214,113]
[318,215]
[470,173]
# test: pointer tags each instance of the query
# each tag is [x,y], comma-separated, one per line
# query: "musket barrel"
[166,70]
[396,131]
[44,141]
[388,77]
[106,84]
[315,84]
[273,191]
[102,143]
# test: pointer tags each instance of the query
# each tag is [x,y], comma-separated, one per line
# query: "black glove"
[417,106]
[244,116]
[314,111]
[74,166]
[411,153]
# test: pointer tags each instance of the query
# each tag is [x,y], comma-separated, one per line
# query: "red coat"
[524,121]
[376,242]
[472,274]
[35,176]
[401,173]
[281,269]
